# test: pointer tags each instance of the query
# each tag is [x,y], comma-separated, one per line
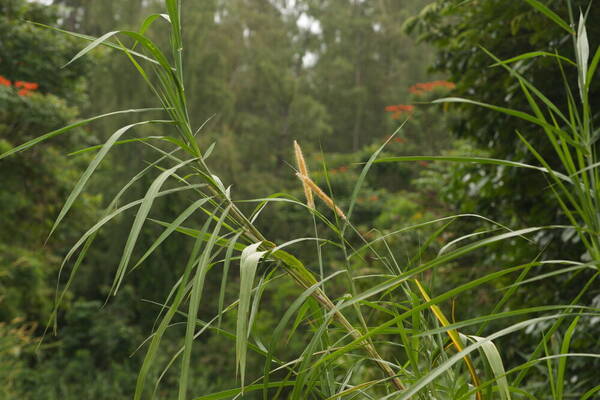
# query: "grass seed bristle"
[322,195]
[310,202]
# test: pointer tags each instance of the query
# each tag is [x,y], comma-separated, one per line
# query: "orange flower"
[400,109]
[26,85]
[420,88]
[4,81]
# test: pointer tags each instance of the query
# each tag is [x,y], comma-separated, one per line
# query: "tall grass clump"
[389,340]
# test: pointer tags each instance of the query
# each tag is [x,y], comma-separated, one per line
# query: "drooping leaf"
[69,127]
[248,264]
[170,229]
[92,167]
[495,360]
[550,14]
[197,288]
[140,218]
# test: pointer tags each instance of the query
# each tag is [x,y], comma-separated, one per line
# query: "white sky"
[309,23]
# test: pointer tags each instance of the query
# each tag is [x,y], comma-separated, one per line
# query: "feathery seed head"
[310,202]
[321,194]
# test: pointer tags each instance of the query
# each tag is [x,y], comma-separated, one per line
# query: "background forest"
[338,76]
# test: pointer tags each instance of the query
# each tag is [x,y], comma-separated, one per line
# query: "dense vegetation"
[404,249]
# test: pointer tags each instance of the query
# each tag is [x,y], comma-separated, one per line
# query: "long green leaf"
[209,325]
[196,233]
[93,38]
[118,142]
[248,264]
[515,113]
[165,322]
[550,14]
[436,372]
[95,43]
[90,235]
[103,221]
[145,41]
[149,20]
[495,360]
[582,310]
[534,54]
[226,264]
[278,331]
[140,218]
[232,393]
[92,167]
[423,306]
[67,128]
[562,363]
[170,229]
[197,288]
[588,395]
[592,69]
[468,395]
[365,171]
[474,160]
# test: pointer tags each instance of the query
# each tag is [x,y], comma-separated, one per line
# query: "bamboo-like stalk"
[173,101]
[367,344]
[252,233]
[311,186]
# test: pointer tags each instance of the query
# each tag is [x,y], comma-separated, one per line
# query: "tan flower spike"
[310,202]
[321,194]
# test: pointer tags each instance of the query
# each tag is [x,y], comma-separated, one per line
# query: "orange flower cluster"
[399,109]
[24,87]
[421,88]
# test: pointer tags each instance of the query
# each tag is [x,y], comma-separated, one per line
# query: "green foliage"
[566,117]
[15,339]
[355,297]
[33,55]
[34,184]
[462,33]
